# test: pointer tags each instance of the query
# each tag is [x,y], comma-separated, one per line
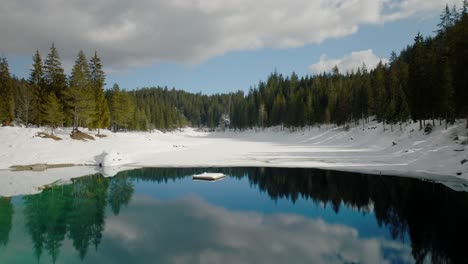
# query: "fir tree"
[101,116]
[122,108]
[464,8]
[7,103]
[37,82]
[52,112]
[417,80]
[278,111]
[446,98]
[36,77]
[80,97]
[54,75]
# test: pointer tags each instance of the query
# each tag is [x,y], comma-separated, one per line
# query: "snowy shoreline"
[408,152]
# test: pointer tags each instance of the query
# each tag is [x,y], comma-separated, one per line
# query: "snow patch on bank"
[362,148]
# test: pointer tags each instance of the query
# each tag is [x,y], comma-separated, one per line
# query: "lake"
[254,215]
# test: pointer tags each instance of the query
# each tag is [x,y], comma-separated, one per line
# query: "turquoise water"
[255,215]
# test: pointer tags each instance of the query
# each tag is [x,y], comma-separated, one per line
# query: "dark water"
[256,215]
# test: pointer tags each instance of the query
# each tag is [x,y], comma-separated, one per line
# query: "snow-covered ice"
[368,148]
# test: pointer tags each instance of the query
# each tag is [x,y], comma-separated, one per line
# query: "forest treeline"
[426,81]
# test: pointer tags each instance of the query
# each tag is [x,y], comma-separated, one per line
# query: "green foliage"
[80,96]
[100,118]
[54,76]
[52,112]
[75,211]
[6,214]
[38,86]
[26,100]
[7,102]
[120,193]
[427,80]
[122,108]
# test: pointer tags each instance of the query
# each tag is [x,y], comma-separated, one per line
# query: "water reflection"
[6,214]
[190,229]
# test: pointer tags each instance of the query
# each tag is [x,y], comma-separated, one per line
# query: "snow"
[208,176]
[367,149]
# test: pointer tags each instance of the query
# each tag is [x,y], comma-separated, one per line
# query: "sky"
[213,46]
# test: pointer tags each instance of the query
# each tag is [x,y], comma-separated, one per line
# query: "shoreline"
[371,150]
[32,182]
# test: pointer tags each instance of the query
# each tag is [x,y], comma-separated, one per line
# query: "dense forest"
[426,81]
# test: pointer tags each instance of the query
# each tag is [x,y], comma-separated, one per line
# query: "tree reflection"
[45,215]
[120,192]
[77,209]
[431,215]
[6,215]
[434,216]
[87,212]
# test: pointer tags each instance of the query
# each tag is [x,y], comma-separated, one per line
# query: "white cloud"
[405,8]
[191,231]
[349,62]
[136,33]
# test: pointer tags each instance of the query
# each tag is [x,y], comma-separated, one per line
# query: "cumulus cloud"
[349,62]
[136,33]
[194,231]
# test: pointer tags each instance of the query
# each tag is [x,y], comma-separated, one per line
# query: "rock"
[39,167]
[459,173]
[463,161]
[393,143]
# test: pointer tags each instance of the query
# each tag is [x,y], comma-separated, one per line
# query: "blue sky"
[215,46]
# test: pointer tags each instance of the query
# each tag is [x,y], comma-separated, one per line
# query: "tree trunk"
[420,124]
[446,121]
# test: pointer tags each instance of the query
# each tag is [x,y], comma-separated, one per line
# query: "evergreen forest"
[426,82]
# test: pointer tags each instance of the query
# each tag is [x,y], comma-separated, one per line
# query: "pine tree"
[417,80]
[446,90]
[52,112]
[7,104]
[36,76]
[54,75]
[379,92]
[278,111]
[37,82]
[80,97]
[464,8]
[445,20]
[101,116]
[121,108]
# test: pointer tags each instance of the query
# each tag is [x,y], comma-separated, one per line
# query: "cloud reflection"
[190,230]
